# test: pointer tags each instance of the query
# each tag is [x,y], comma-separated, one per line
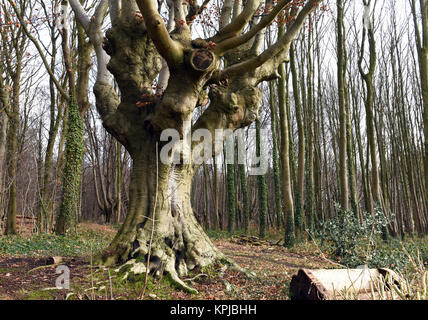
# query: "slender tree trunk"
[231,196]
[275,159]
[262,187]
[206,201]
[300,187]
[343,178]
[45,207]
[245,201]
[12,150]
[369,101]
[72,171]
[216,213]
[310,139]
[422,46]
[118,181]
[4,103]
[78,105]
[285,163]
[350,150]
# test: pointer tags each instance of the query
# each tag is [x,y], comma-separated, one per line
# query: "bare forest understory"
[23,277]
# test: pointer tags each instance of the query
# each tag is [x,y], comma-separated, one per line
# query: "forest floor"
[24,273]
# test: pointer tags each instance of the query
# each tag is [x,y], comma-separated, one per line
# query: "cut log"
[47,263]
[339,284]
[53,260]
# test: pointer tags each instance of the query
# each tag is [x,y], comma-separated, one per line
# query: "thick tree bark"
[160,201]
[160,222]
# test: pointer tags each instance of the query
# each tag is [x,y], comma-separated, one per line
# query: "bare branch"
[169,49]
[115,7]
[372,48]
[66,49]
[237,8]
[128,10]
[171,22]
[106,97]
[238,24]
[260,36]
[80,14]
[39,49]
[226,13]
[100,12]
[93,30]
[195,10]
[179,13]
[234,42]
[282,46]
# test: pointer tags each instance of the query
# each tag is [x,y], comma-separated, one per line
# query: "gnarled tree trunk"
[160,225]
[160,222]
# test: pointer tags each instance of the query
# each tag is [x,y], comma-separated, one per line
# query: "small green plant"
[39,245]
[351,239]
[401,256]
[356,243]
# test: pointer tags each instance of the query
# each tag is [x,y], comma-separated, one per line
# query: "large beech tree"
[139,48]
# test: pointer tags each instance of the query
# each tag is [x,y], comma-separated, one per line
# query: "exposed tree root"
[232,265]
[168,270]
[177,282]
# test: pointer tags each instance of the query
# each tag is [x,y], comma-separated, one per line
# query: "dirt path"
[24,278]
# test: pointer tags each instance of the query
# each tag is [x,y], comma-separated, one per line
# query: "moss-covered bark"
[72,171]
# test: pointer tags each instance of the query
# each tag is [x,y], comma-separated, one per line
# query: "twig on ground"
[197,276]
